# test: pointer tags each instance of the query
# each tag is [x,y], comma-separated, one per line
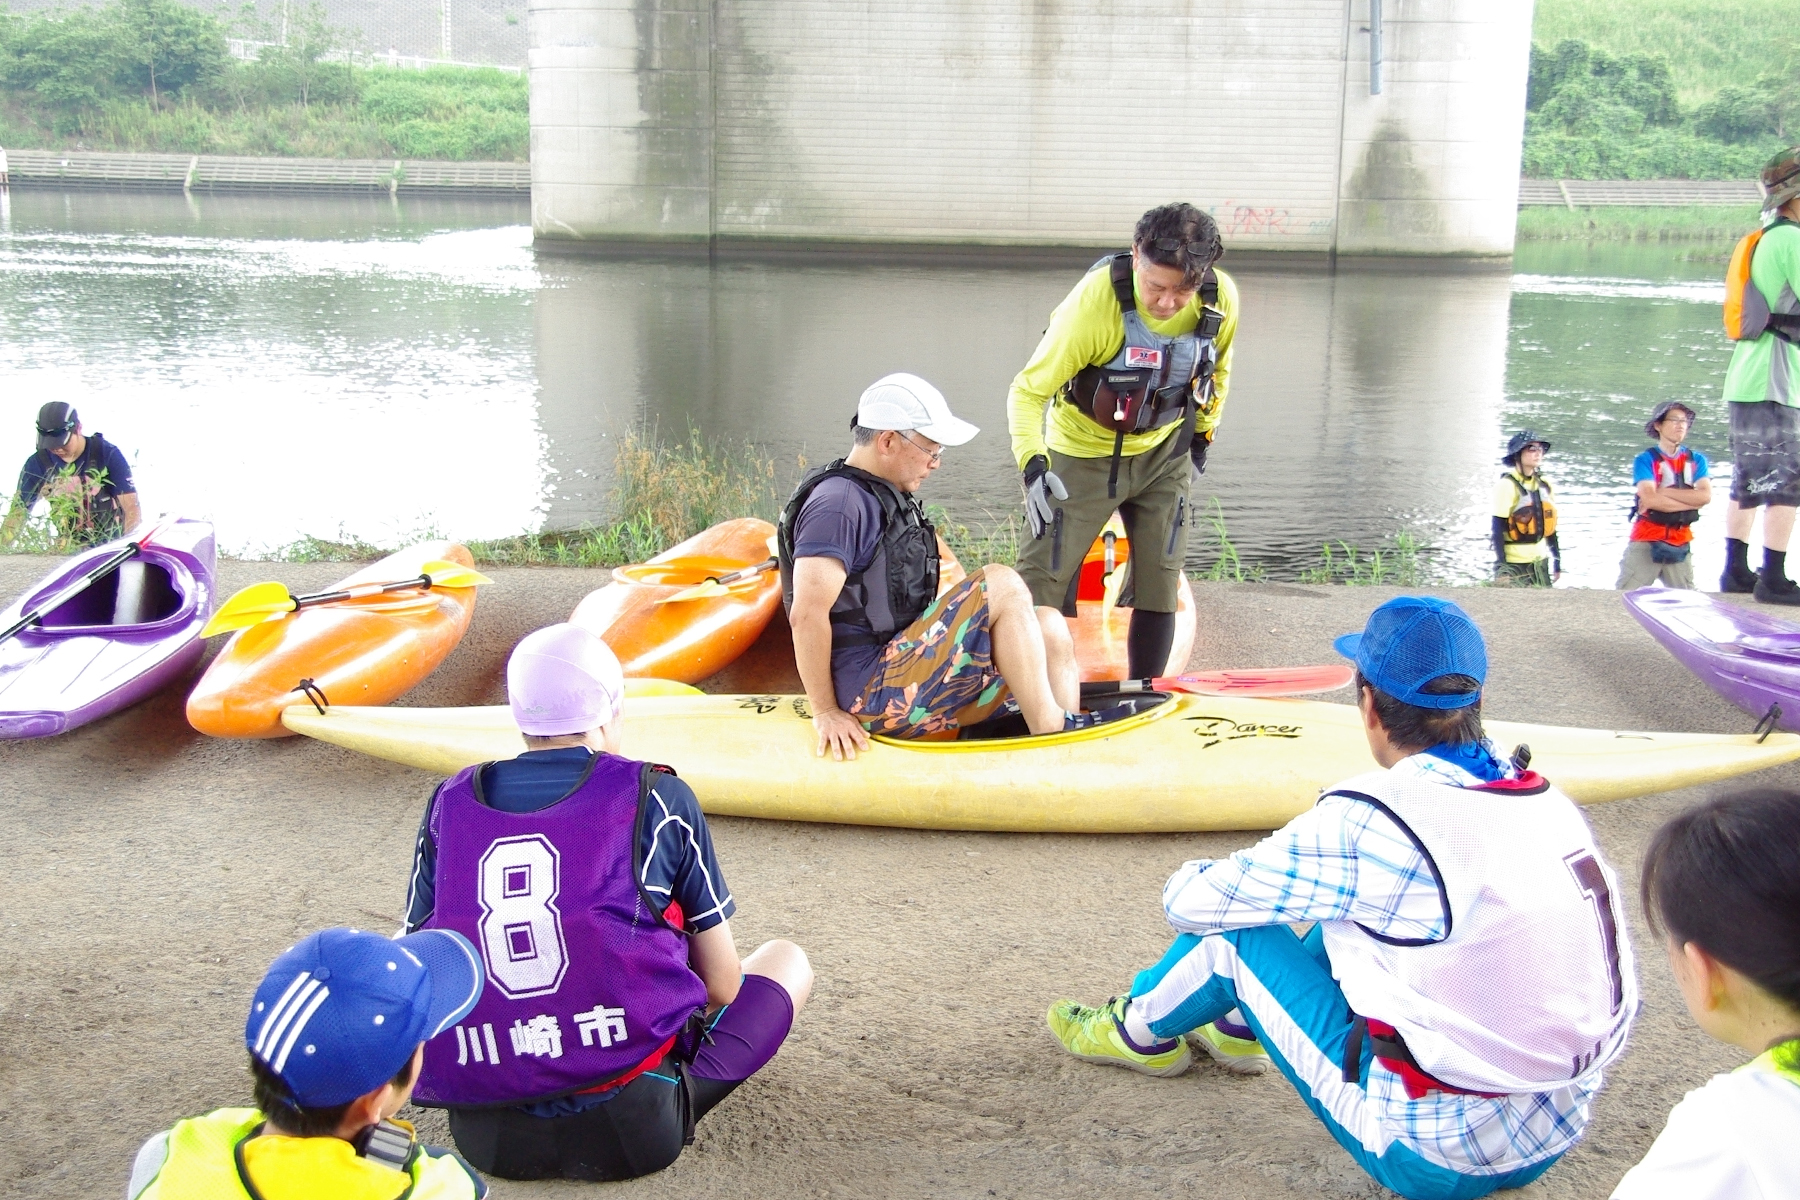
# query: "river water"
[347,367]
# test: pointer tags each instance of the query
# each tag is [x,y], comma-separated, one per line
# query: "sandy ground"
[152,874]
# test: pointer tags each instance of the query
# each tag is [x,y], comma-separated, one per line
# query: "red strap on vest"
[1389,1046]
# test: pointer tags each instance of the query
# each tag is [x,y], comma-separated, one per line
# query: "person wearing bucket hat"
[1672,487]
[1424,881]
[882,646]
[618,1011]
[336,1033]
[1762,388]
[1526,550]
[85,471]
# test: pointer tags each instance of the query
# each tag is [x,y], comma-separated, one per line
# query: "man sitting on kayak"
[618,1012]
[1466,977]
[879,650]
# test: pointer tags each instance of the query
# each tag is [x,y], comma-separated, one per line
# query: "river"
[337,367]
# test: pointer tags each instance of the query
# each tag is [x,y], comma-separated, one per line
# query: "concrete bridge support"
[1334,126]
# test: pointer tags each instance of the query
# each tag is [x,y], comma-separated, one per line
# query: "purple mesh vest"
[585,979]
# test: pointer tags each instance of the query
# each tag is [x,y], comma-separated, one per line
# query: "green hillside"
[1709,43]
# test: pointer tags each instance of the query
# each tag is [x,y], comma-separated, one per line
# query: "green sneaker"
[1239,1055]
[1094,1035]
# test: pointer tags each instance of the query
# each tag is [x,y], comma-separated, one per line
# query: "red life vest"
[1675,528]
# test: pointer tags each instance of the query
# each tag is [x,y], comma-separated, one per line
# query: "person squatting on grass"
[336,1035]
[1468,978]
[1721,885]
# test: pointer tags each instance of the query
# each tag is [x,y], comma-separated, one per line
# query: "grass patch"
[987,541]
[1724,223]
[1709,43]
[1396,565]
[1227,566]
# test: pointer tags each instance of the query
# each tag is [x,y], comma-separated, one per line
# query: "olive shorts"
[1152,501]
[1638,569]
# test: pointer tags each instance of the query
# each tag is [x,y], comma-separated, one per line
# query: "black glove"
[1041,484]
[1197,452]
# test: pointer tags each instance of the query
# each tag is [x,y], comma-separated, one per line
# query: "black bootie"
[1773,585]
[1738,576]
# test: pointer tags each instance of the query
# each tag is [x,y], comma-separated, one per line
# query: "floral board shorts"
[937,675]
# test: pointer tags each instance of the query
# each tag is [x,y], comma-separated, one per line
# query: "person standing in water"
[1526,552]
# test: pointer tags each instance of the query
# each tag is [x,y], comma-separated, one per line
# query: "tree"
[168,46]
[309,58]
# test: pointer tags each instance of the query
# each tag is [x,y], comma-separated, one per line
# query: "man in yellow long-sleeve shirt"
[1133,372]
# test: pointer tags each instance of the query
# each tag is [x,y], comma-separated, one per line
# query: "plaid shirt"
[1345,860]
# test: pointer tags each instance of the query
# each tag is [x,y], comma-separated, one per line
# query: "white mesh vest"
[1533,985]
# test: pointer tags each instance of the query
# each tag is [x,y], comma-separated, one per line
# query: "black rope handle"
[1766,726]
[314,693]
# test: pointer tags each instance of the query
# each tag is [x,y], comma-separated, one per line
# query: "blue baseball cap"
[341,1012]
[1412,640]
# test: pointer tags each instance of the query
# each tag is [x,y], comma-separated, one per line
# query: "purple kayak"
[1751,659]
[125,637]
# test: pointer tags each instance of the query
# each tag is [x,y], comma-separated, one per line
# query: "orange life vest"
[1747,315]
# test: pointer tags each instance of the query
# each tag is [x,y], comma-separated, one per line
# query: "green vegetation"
[1227,566]
[1397,565]
[1721,223]
[69,520]
[988,541]
[155,75]
[1621,89]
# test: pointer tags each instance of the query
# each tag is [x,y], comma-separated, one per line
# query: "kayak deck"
[1196,763]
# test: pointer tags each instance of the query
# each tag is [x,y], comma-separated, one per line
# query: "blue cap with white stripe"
[341,1012]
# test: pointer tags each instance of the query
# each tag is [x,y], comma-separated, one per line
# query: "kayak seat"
[1116,706]
[138,593]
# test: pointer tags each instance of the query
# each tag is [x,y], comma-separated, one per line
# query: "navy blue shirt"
[675,845]
[841,520]
[99,457]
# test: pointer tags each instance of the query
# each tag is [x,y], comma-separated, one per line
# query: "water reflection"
[376,368]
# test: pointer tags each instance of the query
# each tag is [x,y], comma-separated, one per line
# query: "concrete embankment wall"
[1028,122]
[221,173]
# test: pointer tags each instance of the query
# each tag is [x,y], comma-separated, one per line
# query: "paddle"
[1276,681]
[271,601]
[106,567]
[719,585]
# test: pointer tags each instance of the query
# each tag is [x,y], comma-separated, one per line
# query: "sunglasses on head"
[1169,245]
[69,428]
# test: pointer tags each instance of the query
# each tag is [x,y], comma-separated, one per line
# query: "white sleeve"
[1696,1157]
[149,1164]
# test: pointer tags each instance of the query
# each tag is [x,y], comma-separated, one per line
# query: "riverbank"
[157,872]
[64,169]
[1638,223]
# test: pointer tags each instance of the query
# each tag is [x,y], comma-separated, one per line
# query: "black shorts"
[1765,454]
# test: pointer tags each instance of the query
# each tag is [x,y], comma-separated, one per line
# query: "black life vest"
[1153,380]
[899,583]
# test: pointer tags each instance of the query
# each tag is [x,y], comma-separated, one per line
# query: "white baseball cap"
[904,401]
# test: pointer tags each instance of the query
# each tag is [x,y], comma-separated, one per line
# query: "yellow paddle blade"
[452,575]
[252,606]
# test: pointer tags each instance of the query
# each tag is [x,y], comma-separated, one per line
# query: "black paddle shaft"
[61,598]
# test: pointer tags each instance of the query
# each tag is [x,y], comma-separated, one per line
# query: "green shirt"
[1769,368]
[1088,329]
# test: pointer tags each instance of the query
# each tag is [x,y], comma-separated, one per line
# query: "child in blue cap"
[1466,977]
[336,1033]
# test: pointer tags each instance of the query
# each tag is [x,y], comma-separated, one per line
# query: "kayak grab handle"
[314,693]
[1766,726]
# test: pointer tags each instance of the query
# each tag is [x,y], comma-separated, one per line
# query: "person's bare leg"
[1778,527]
[787,965]
[1739,520]
[1059,658]
[1018,644]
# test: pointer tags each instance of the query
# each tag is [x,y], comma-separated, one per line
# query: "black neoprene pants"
[1148,644]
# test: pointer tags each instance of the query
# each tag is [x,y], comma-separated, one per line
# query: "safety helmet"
[563,679]
[1781,179]
[1519,441]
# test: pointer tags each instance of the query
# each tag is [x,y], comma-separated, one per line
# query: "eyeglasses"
[932,455]
[1199,250]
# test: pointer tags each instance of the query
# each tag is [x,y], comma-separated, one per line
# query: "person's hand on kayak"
[840,733]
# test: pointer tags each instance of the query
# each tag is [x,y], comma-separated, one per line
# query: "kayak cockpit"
[145,593]
[1009,732]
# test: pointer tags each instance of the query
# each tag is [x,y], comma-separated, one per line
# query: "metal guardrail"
[1649,193]
[221,173]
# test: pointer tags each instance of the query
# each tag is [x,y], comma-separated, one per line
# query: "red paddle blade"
[1274,681]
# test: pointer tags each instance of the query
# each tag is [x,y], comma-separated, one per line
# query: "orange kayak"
[1100,631]
[366,651]
[687,640]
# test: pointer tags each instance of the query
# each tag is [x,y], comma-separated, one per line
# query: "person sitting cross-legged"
[879,650]
[1466,978]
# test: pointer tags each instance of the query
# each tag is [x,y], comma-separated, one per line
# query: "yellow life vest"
[1783,1060]
[1534,510]
[206,1158]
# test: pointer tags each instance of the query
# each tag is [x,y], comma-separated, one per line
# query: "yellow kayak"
[1186,763]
